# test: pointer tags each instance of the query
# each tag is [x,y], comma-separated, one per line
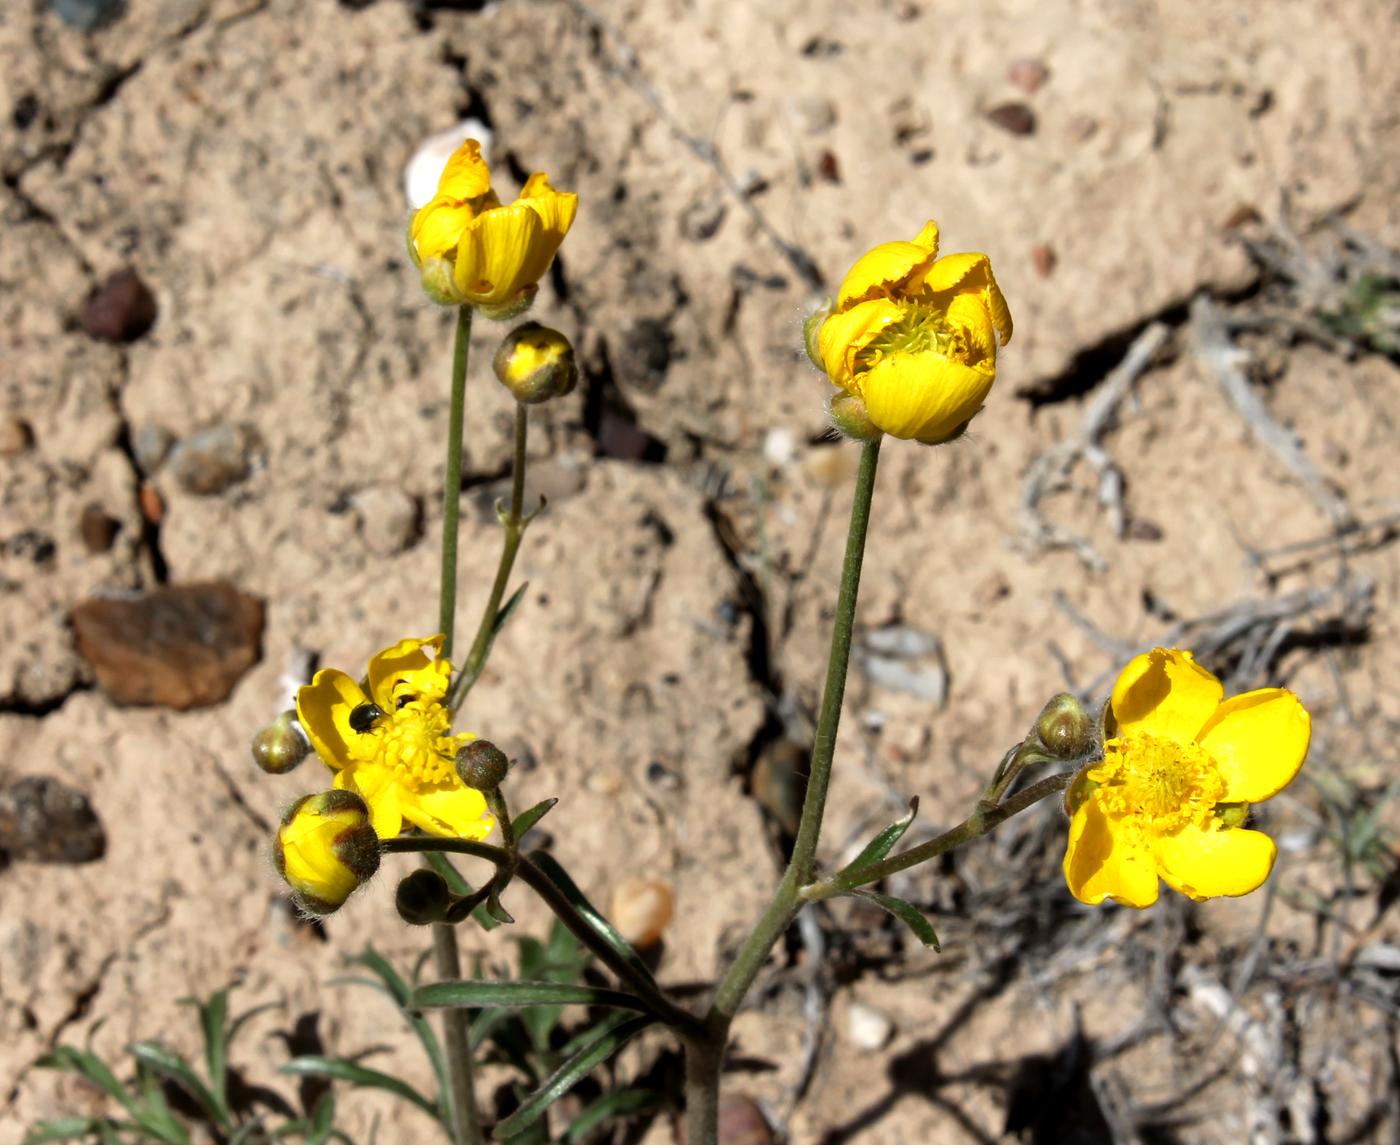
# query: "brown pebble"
[641,909]
[98,528]
[43,821]
[16,435]
[1043,259]
[741,1122]
[828,167]
[120,310]
[178,646]
[152,503]
[1141,529]
[1242,215]
[1016,118]
[1028,73]
[212,460]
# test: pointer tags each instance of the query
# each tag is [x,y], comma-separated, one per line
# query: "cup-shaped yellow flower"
[1180,766]
[325,848]
[474,251]
[915,337]
[390,741]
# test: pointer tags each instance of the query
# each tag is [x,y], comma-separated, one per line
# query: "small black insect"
[365,716]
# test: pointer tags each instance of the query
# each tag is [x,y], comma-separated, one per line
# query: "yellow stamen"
[1161,784]
[416,744]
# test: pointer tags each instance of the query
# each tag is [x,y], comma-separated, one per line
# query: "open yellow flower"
[915,337]
[1179,770]
[474,251]
[390,741]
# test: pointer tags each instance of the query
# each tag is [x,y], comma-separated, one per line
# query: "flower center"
[414,741]
[1164,784]
[921,329]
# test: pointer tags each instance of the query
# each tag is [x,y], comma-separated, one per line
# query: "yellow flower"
[1175,782]
[474,251]
[325,848]
[391,743]
[915,336]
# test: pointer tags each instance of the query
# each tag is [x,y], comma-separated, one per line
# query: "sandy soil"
[246,159]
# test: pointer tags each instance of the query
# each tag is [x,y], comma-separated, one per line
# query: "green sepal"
[528,818]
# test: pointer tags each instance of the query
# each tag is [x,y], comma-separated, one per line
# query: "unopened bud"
[810,329]
[482,765]
[536,363]
[281,745]
[422,898]
[850,419]
[325,848]
[1064,728]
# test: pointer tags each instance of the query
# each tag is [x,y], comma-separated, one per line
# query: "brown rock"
[16,435]
[741,1122]
[212,460]
[45,822]
[152,503]
[120,310]
[642,908]
[180,646]
[1016,118]
[99,530]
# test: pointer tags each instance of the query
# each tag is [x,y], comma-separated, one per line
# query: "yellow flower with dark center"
[390,741]
[915,337]
[472,250]
[1178,772]
[325,848]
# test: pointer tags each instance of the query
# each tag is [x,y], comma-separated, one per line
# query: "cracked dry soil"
[245,158]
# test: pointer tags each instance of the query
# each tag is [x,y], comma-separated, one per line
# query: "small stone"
[828,167]
[1028,73]
[1242,215]
[703,218]
[88,15]
[867,1028]
[16,435]
[98,528]
[1043,259]
[641,909]
[212,460]
[779,447]
[43,821]
[152,503]
[151,446]
[389,519]
[662,777]
[606,780]
[120,310]
[741,1122]
[1141,529]
[178,646]
[813,113]
[1016,118]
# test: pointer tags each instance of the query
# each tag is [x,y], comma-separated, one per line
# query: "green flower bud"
[536,363]
[422,898]
[482,765]
[325,848]
[281,745]
[850,419]
[1064,728]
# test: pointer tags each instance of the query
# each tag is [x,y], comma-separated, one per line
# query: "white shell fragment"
[423,170]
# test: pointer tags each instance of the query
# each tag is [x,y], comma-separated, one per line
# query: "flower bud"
[1064,728]
[536,363]
[850,418]
[482,765]
[810,329]
[422,898]
[281,745]
[325,848]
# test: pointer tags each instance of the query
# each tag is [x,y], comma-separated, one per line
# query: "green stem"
[705,1053]
[514,523]
[466,1120]
[531,875]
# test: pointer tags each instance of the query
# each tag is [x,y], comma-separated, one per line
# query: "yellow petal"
[466,175]
[495,252]
[1165,693]
[555,208]
[407,659]
[1204,862]
[969,273]
[455,811]
[969,312]
[437,228]
[378,787]
[885,268]
[1259,740]
[324,707]
[1106,859]
[844,334]
[923,396]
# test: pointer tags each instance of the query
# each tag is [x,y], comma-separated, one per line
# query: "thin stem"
[466,1120]
[514,522]
[531,875]
[981,822]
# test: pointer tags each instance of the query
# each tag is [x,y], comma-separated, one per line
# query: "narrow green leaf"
[236,1027]
[466,994]
[529,817]
[322,1120]
[496,910]
[155,1114]
[338,1069]
[591,915]
[62,1129]
[505,612]
[588,1033]
[568,1075]
[617,1104]
[90,1066]
[401,992]
[162,1061]
[213,1021]
[884,842]
[907,913]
